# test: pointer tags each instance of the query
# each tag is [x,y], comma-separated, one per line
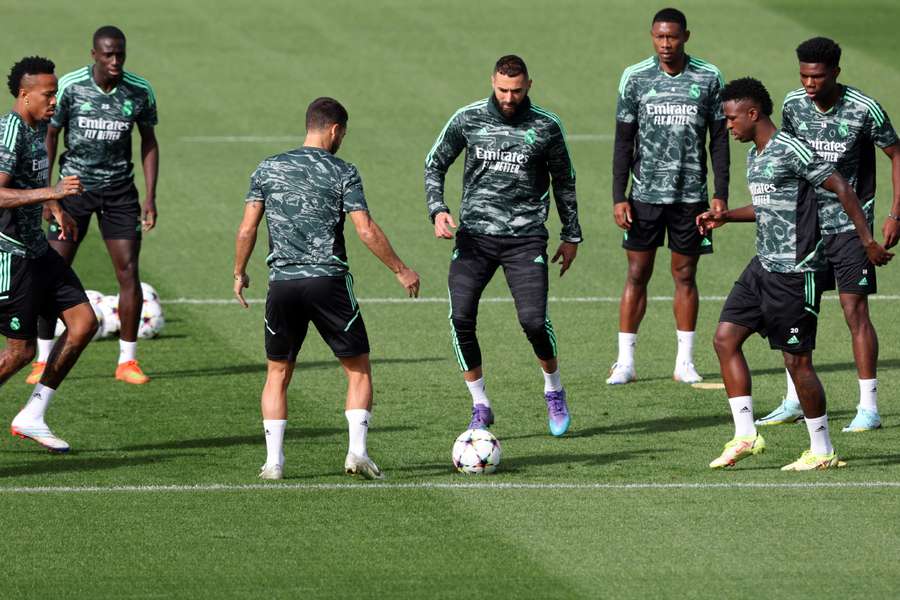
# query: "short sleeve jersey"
[673,114]
[23,156]
[845,136]
[98,126]
[783,179]
[306,193]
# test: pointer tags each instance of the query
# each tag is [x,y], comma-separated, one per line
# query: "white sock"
[868,394]
[44,348]
[476,388]
[358,427]
[742,413]
[819,440]
[274,429]
[791,394]
[37,405]
[552,381]
[685,347]
[127,351]
[627,342]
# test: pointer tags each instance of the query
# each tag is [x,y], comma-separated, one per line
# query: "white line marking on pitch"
[499,299]
[223,487]
[264,139]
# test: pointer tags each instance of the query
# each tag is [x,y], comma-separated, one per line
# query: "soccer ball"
[95,299]
[152,320]
[109,306]
[476,451]
[149,292]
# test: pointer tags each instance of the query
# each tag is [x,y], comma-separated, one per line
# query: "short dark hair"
[324,112]
[820,50]
[511,66]
[670,15]
[108,32]
[747,88]
[30,65]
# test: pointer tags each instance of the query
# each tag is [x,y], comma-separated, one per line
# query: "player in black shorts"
[778,294]
[99,107]
[34,279]
[305,195]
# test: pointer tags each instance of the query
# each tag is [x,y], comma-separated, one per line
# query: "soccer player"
[844,125]
[513,150]
[34,279]
[99,106]
[779,292]
[667,105]
[305,195]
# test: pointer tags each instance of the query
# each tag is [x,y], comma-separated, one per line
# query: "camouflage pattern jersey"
[845,136]
[306,193]
[23,156]
[782,180]
[673,114]
[98,126]
[508,170]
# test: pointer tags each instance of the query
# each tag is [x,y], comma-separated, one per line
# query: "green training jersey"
[845,136]
[306,193]
[98,126]
[673,114]
[23,156]
[509,166]
[783,179]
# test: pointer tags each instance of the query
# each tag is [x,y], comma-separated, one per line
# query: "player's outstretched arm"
[243,247]
[891,227]
[376,241]
[712,219]
[850,201]
[13,198]
[150,163]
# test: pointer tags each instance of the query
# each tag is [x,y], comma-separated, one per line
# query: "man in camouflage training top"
[34,279]
[513,149]
[99,106]
[666,106]
[844,125]
[305,195]
[779,293]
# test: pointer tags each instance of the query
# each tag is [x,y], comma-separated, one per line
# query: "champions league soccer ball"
[96,299]
[476,451]
[109,306]
[152,319]
[149,292]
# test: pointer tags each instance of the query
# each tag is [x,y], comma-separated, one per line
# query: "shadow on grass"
[891,364]
[68,464]
[244,440]
[517,464]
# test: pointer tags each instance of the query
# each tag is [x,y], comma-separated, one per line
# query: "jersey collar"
[519,115]
[100,89]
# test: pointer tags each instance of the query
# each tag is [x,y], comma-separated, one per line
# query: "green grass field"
[624,506]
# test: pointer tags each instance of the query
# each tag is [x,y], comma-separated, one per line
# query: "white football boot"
[271,472]
[40,433]
[363,466]
[686,373]
[620,374]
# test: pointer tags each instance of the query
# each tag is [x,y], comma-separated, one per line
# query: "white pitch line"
[224,487]
[497,299]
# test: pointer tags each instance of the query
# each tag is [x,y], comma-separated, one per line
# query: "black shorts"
[781,306]
[650,223]
[118,213]
[853,273]
[328,302]
[33,287]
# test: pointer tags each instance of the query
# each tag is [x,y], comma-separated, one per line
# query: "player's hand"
[891,232]
[241,281]
[877,254]
[409,279]
[566,252]
[443,223]
[710,220]
[622,214]
[148,214]
[67,186]
[718,205]
[68,228]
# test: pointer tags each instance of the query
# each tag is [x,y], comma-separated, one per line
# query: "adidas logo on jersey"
[793,340]
[863,281]
[87,106]
[802,127]
[706,242]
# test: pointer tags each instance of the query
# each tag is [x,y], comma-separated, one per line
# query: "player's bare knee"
[798,364]
[724,343]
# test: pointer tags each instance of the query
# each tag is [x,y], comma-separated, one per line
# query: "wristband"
[893,216]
